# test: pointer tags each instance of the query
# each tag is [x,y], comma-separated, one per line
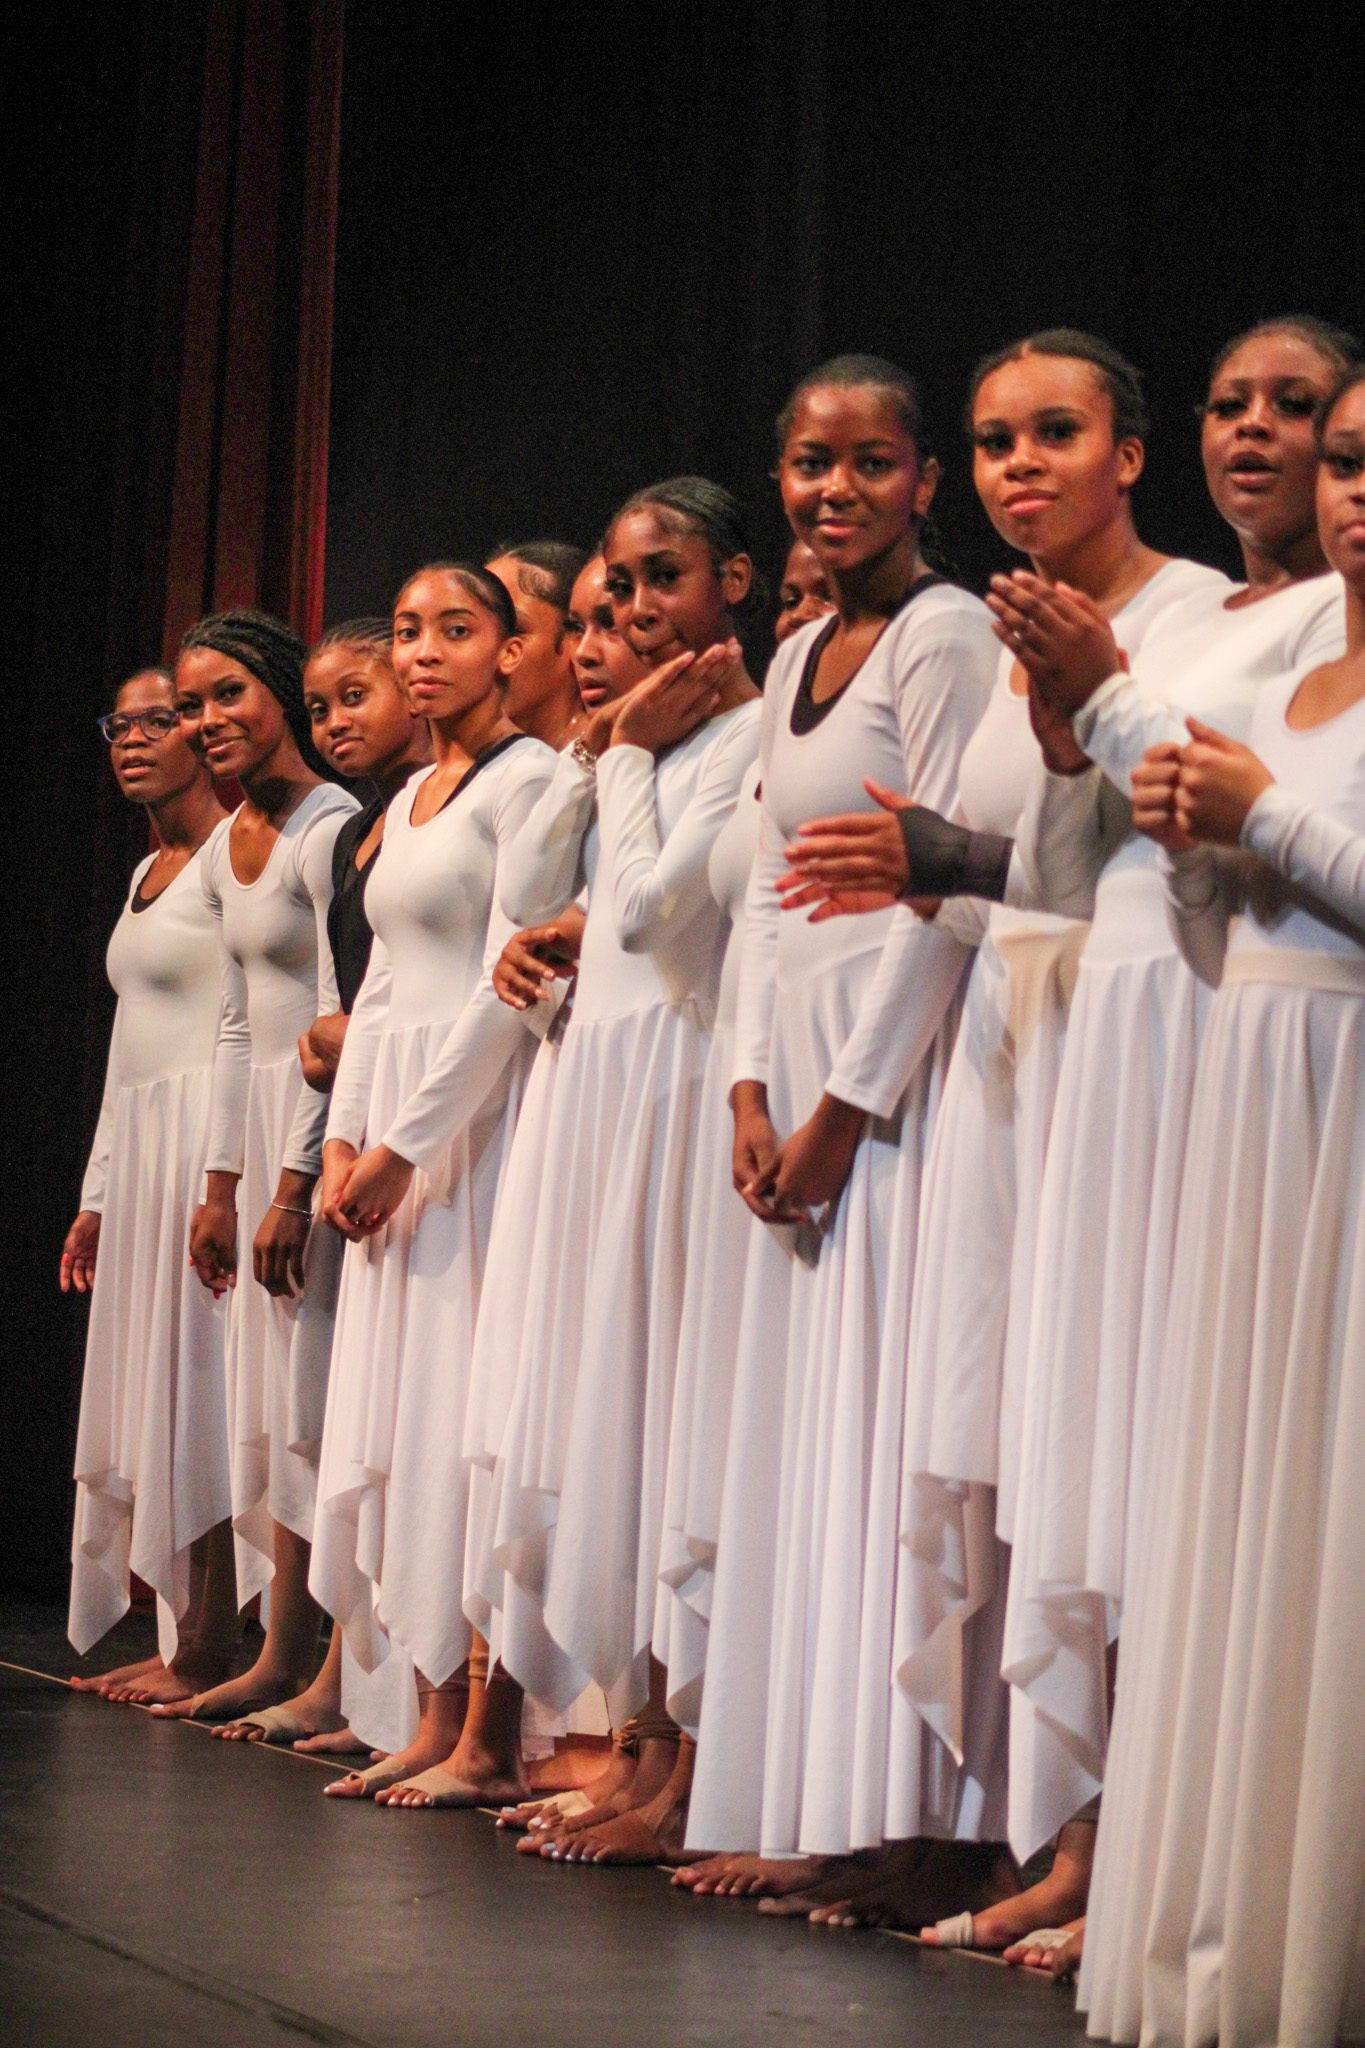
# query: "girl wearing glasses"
[154,1356]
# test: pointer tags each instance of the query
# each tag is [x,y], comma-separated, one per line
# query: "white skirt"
[717,1241]
[589,1432]
[1227,1902]
[969,1339]
[1106,1237]
[152,1445]
[393,1494]
[278,1350]
[796,1723]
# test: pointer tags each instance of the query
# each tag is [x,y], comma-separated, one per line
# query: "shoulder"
[784,670]
[212,856]
[1318,609]
[518,775]
[942,642]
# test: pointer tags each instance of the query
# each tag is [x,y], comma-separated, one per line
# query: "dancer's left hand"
[1219,782]
[813,1165]
[374,1188]
[1057,634]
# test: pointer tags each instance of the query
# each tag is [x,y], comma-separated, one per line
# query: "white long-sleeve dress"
[277,977]
[795,1725]
[578,1485]
[1230,1874]
[1111,1185]
[151,1448]
[434,1067]
[970,1318]
[709,1326]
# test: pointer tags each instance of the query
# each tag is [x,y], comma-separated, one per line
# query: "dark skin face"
[1259,446]
[854,487]
[605,666]
[1047,466]
[152,767]
[361,721]
[543,676]
[803,594]
[668,593]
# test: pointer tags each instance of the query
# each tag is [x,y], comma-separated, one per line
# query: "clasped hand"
[1198,794]
[360,1194]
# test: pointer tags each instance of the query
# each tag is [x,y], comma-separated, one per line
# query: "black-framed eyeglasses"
[156,724]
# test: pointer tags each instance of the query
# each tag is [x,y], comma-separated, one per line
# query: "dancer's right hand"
[757,1146]
[213,1235]
[78,1253]
[1155,783]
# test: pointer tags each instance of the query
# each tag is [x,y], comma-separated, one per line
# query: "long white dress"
[580,1474]
[1111,1185]
[1229,1895]
[795,1725]
[970,1318]
[277,977]
[709,1324]
[151,1448]
[434,1067]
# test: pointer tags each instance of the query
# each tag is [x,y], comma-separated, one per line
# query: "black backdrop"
[574,255]
[575,258]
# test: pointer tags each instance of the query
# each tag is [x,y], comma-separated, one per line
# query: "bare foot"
[122,1674]
[471,1775]
[648,1833]
[334,1742]
[190,1672]
[255,1688]
[656,1759]
[836,1880]
[1055,1949]
[598,1791]
[915,1880]
[570,1769]
[746,1876]
[425,1749]
[1055,1901]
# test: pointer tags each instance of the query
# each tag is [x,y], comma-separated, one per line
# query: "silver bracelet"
[288,1209]
[584,756]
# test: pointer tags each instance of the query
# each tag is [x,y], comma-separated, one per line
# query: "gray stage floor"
[158,1887]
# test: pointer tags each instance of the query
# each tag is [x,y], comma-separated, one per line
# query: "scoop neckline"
[237,880]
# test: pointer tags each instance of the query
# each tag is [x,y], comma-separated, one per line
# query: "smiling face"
[1258,440]
[543,674]
[605,665]
[231,720]
[803,593]
[449,650]
[853,485]
[1046,465]
[1341,489]
[668,593]
[151,766]
[360,718]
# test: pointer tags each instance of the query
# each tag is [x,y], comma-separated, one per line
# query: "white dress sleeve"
[1069,826]
[656,886]
[348,1116]
[96,1181]
[486,1035]
[1315,851]
[231,1081]
[920,967]
[754,1000]
[313,868]
[1200,892]
[542,870]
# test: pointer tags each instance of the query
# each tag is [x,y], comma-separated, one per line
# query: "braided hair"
[267,649]
[374,633]
[693,504]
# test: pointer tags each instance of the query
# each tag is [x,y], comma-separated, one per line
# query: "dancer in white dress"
[542,694]
[580,1473]
[268,878]
[715,1252]
[606,668]
[363,728]
[843,1037]
[1115,1161]
[1058,422]
[1231,1862]
[431,1077]
[151,1448]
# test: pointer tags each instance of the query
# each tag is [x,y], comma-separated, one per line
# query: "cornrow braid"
[271,652]
[377,633]
[693,504]
[547,569]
